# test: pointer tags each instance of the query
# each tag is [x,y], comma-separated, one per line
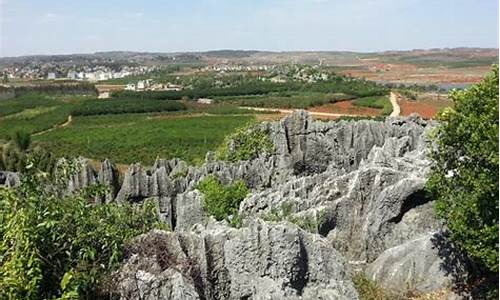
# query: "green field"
[141,126]
[130,138]
[293,100]
[380,102]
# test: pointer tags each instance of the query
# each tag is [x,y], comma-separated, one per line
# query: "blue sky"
[70,26]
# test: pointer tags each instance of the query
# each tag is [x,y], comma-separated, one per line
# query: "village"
[91,73]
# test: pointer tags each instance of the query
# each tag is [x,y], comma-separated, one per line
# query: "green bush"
[245,144]
[465,173]
[57,246]
[222,201]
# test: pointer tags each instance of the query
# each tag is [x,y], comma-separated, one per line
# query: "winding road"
[396,110]
[289,111]
[65,124]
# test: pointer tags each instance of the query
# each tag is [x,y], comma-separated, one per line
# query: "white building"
[205,101]
[72,75]
[130,87]
[51,75]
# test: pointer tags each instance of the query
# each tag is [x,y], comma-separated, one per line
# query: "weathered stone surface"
[189,210]
[416,265]
[261,261]
[375,176]
[108,176]
[86,176]
[9,179]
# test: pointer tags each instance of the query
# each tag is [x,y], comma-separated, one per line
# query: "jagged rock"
[85,177]
[261,261]
[108,176]
[418,265]
[375,176]
[189,210]
[360,183]
[9,179]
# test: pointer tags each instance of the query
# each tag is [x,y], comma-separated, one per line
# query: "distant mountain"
[480,55]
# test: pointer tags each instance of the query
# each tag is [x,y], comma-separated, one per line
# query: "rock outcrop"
[260,261]
[419,265]
[361,184]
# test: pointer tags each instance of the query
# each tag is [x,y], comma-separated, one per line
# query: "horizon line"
[249,50]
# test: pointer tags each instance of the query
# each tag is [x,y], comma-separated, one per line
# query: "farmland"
[142,137]
[69,120]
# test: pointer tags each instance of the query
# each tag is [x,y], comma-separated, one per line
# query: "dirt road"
[289,111]
[65,124]
[396,110]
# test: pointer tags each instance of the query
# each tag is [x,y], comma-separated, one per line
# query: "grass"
[30,122]
[380,102]
[129,138]
[27,101]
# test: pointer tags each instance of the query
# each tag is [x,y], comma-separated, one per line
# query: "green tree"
[245,144]
[465,173]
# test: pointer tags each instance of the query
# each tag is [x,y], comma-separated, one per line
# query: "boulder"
[419,265]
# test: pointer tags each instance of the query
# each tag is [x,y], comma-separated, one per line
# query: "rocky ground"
[335,199]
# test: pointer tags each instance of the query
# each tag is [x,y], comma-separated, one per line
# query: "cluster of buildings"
[238,68]
[87,73]
[308,74]
[151,85]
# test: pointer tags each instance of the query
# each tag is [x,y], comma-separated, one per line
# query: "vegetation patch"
[245,144]
[293,100]
[222,201]
[380,102]
[130,138]
[54,246]
[124,106]
[464,177]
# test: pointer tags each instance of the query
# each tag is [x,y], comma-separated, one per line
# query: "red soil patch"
[426,108]
[346,107]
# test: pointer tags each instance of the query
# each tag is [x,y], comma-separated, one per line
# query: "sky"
[86,26]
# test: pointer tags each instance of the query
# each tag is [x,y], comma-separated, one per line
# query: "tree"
[465,172]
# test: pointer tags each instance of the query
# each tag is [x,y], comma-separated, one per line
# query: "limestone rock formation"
[261,261]
[357,186]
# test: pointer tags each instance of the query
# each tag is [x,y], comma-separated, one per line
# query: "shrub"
[221,201]
[465,173]
[245,144]
[57,246]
